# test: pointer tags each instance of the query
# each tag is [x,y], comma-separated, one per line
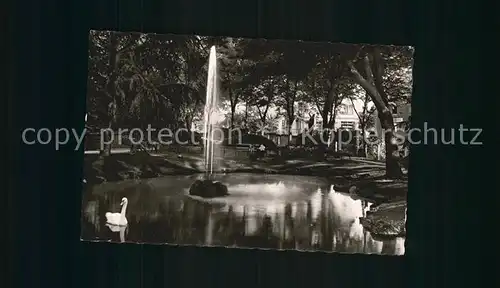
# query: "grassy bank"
[356,175]
[118,167]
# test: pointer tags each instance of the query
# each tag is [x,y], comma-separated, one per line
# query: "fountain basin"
[208,189]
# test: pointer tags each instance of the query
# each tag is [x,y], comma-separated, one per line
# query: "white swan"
[120,229]
[118,219]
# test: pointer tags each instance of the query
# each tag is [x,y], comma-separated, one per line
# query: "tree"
[296,61]
[111,87]
[189,81]
[264,95]
[327,84]
[287,100]
[234,72]
[288,63]
[364,116]
[369,72]
[141,84]
[327,95]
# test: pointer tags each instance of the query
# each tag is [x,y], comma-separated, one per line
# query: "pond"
[262,211]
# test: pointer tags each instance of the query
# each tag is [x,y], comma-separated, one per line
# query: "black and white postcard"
[247,143]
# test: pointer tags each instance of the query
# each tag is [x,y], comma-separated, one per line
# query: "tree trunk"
[393,169]
[107,147]
[333,116]
[325,115]
[246,112]
[233,102]
[330,128]
[311,122]
[111,87]
[392,166]
[289,107]
[232,119]
[328,105]
[363,140]
[188,122]
[363,120]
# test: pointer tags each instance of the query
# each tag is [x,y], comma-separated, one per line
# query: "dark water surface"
[266,211]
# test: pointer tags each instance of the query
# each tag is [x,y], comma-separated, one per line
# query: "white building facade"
[346,118]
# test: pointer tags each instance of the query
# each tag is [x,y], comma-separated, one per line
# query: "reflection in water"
[209,229]
[267,211]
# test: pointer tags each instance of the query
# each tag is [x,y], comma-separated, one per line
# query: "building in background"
[346,118]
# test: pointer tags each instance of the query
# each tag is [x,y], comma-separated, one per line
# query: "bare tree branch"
[370,89]
[354,107]
[378,71]
[368,70]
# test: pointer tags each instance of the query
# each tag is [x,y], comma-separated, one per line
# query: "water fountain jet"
[210,113]
[207,188]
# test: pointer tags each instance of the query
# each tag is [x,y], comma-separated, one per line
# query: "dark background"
[47,88]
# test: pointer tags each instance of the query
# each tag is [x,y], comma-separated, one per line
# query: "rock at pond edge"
[208,189]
